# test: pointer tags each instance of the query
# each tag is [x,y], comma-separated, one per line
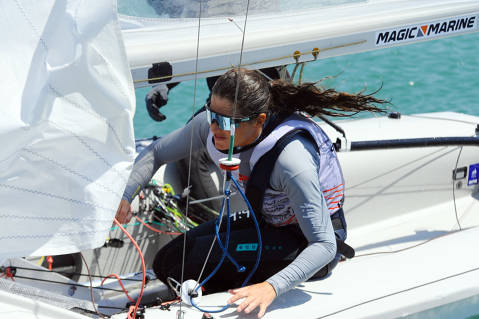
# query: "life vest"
[273,204]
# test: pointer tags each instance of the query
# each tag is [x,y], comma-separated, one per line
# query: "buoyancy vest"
[276,208]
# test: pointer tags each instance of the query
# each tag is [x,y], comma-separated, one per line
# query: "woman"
[304,193]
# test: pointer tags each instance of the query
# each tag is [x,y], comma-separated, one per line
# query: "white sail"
[307,30]
[66,131]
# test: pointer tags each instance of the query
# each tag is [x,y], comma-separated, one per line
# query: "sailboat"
[70,70]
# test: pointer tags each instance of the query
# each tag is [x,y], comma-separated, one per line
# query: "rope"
[235,103]
[68,273]
[220,218]
[156,230]
[65,283]
[225,248]
[226,191]
[8,273]
[121,285]
[191,149]
[92,296]
[454,189]
[300,79]
[135,308]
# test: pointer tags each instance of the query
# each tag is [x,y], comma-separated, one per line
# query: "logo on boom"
[427,30]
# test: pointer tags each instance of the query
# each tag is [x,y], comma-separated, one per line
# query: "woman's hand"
[124,212]
[261,295]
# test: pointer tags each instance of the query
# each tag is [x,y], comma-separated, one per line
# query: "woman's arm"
[169,148]
[296,173]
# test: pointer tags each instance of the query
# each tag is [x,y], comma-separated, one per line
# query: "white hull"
[379,286]
[396,199]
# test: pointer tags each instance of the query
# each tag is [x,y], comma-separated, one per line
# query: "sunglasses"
[224,122]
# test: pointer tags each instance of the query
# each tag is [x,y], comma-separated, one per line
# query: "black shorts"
[281,245]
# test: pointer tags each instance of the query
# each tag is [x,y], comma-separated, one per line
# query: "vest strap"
[258,181]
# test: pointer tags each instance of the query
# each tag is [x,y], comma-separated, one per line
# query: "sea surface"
[435,76]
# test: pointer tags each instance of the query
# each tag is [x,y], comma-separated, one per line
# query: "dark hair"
[256,95]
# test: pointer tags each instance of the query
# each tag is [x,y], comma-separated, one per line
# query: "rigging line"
[454,188]
[294,71]
[211,246]
[442,119]
[232,130]
[139,240]
[91,287]
[409,247]
[156,230]
[143,266]
[252,63]
[230,150]
[69,273]
[190,155]
[66,283]
[112,307]
[399,292]
[300,78]
[121,285]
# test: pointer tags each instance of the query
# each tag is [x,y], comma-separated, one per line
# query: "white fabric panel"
[66,130]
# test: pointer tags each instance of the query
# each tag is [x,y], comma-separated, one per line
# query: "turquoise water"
[440,75]
[467,308]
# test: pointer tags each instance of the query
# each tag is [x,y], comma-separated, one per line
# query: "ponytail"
[289,98]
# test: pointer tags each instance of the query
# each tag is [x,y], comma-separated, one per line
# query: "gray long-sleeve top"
[295,173]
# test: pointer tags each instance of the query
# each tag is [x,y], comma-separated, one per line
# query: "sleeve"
[169,148]
[300,180]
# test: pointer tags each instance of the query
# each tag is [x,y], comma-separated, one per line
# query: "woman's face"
[246,133]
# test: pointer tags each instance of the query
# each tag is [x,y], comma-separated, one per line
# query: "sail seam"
[71,200]
[92,150]
[47,218]
[54,235]
[73,172]
[106,121]
[34,28]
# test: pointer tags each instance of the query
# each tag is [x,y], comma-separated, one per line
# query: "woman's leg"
[280,247]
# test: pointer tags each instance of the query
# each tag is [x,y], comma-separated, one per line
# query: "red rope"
[121,284]
[176,300]
[8,274]
[156,230]
[50,262]
[135,309]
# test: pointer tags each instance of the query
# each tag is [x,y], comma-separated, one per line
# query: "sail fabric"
[66,129]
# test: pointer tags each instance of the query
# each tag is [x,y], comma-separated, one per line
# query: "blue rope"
[260,242]
[225,247]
